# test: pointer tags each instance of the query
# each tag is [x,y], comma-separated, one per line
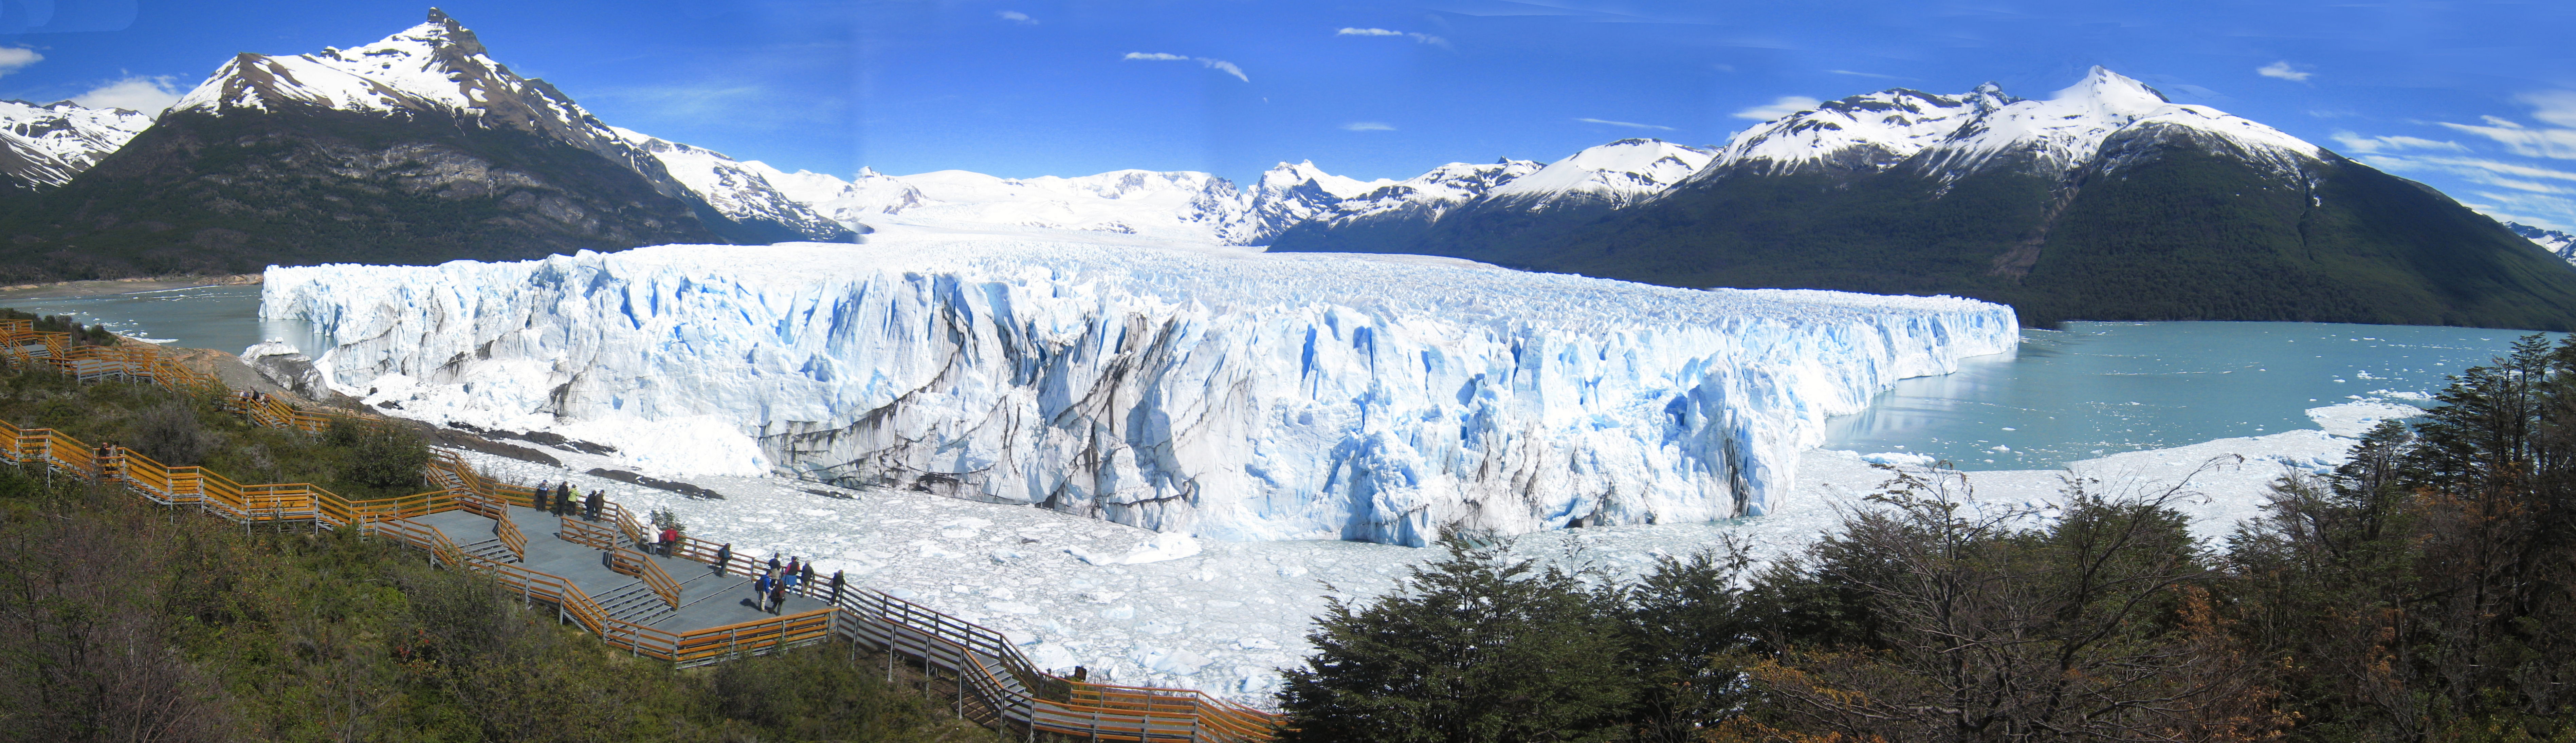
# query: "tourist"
[724,557]
[590,506]
[777,596]
[836,588]
[1081,673]
[806,577]
[670,539]
[773,563]
[563,505]
[790,576]
[760,592]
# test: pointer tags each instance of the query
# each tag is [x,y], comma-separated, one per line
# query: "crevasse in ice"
[1217,391]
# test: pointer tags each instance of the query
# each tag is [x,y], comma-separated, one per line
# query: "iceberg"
[1198,389]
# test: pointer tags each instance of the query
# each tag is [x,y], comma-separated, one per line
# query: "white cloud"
[138,93]
[1017,17]
[2283,70]
[1213,64]
[13,59]
[1423,38]
[1629,124]
[2553,106]
[1778,107]
[1868,74]
[2524,141]
[2516,176]
[2358,143]
[1368,126]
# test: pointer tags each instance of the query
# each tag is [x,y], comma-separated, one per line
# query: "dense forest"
[2424,591]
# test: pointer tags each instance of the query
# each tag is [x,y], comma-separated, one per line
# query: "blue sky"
[2478,99]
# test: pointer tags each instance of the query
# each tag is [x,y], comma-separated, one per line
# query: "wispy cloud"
[13,59]
[2283,70]
[1368,126]
[136,93]
[2516,176]
[2358,143]
[1628,124]
[1017,17]
[1419,37]
[1213,64]
[1868,74]
[1778,107]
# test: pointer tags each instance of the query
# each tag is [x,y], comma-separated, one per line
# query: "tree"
[1993,625]
[1478,646]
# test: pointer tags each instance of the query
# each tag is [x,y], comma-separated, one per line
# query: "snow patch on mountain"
[1617,174]
[738,190]
[56,142]
[2557,243]
[1178,387]
[1954,136]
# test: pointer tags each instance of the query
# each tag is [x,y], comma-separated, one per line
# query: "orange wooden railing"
[1002,679]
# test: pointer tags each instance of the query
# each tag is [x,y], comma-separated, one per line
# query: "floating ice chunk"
[1053,657]
[1005,556]
[1119,612]
[1010,607]
[1175,661]
[1900,458]
[1256,643]
[1167,546]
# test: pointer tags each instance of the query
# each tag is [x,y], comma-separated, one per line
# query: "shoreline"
[111,287]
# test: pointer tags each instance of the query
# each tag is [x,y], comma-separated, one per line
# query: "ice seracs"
[1179,387]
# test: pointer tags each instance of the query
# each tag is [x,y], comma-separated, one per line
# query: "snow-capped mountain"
[1459,202]
[44,146]
[439,70]
[2104,200]
[1952,136]
[741,191]
[1615,175]
[2557,243]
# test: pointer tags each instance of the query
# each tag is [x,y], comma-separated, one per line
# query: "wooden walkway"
[684,608]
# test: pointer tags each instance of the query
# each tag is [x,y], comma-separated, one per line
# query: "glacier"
[1201,389]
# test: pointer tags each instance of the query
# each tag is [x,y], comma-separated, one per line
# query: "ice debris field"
[1225,617]
[1215,391]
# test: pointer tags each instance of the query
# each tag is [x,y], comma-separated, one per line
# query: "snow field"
[1191,388]
[1227,618]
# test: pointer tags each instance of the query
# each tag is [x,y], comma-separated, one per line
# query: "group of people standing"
[771,587]
[558,500]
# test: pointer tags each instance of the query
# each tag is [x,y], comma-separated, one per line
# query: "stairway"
[491,549]
[636,603]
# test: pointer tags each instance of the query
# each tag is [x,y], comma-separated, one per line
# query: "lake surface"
[2085,391]
[2104,388]
[225,318]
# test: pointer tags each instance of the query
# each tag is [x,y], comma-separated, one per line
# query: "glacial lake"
[2096,388]
[225,318]
[2086,390]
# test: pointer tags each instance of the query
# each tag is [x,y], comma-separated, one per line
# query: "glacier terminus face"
[1204,389]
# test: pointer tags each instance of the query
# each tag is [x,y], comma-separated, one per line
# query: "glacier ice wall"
[1228,393]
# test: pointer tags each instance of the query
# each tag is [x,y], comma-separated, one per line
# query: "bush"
[170,434]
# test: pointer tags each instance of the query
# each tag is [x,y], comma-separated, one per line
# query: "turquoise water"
[2081,392]
[2104,388]
[224,318]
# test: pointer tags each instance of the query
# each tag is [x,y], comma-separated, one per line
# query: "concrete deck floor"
[706,599]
